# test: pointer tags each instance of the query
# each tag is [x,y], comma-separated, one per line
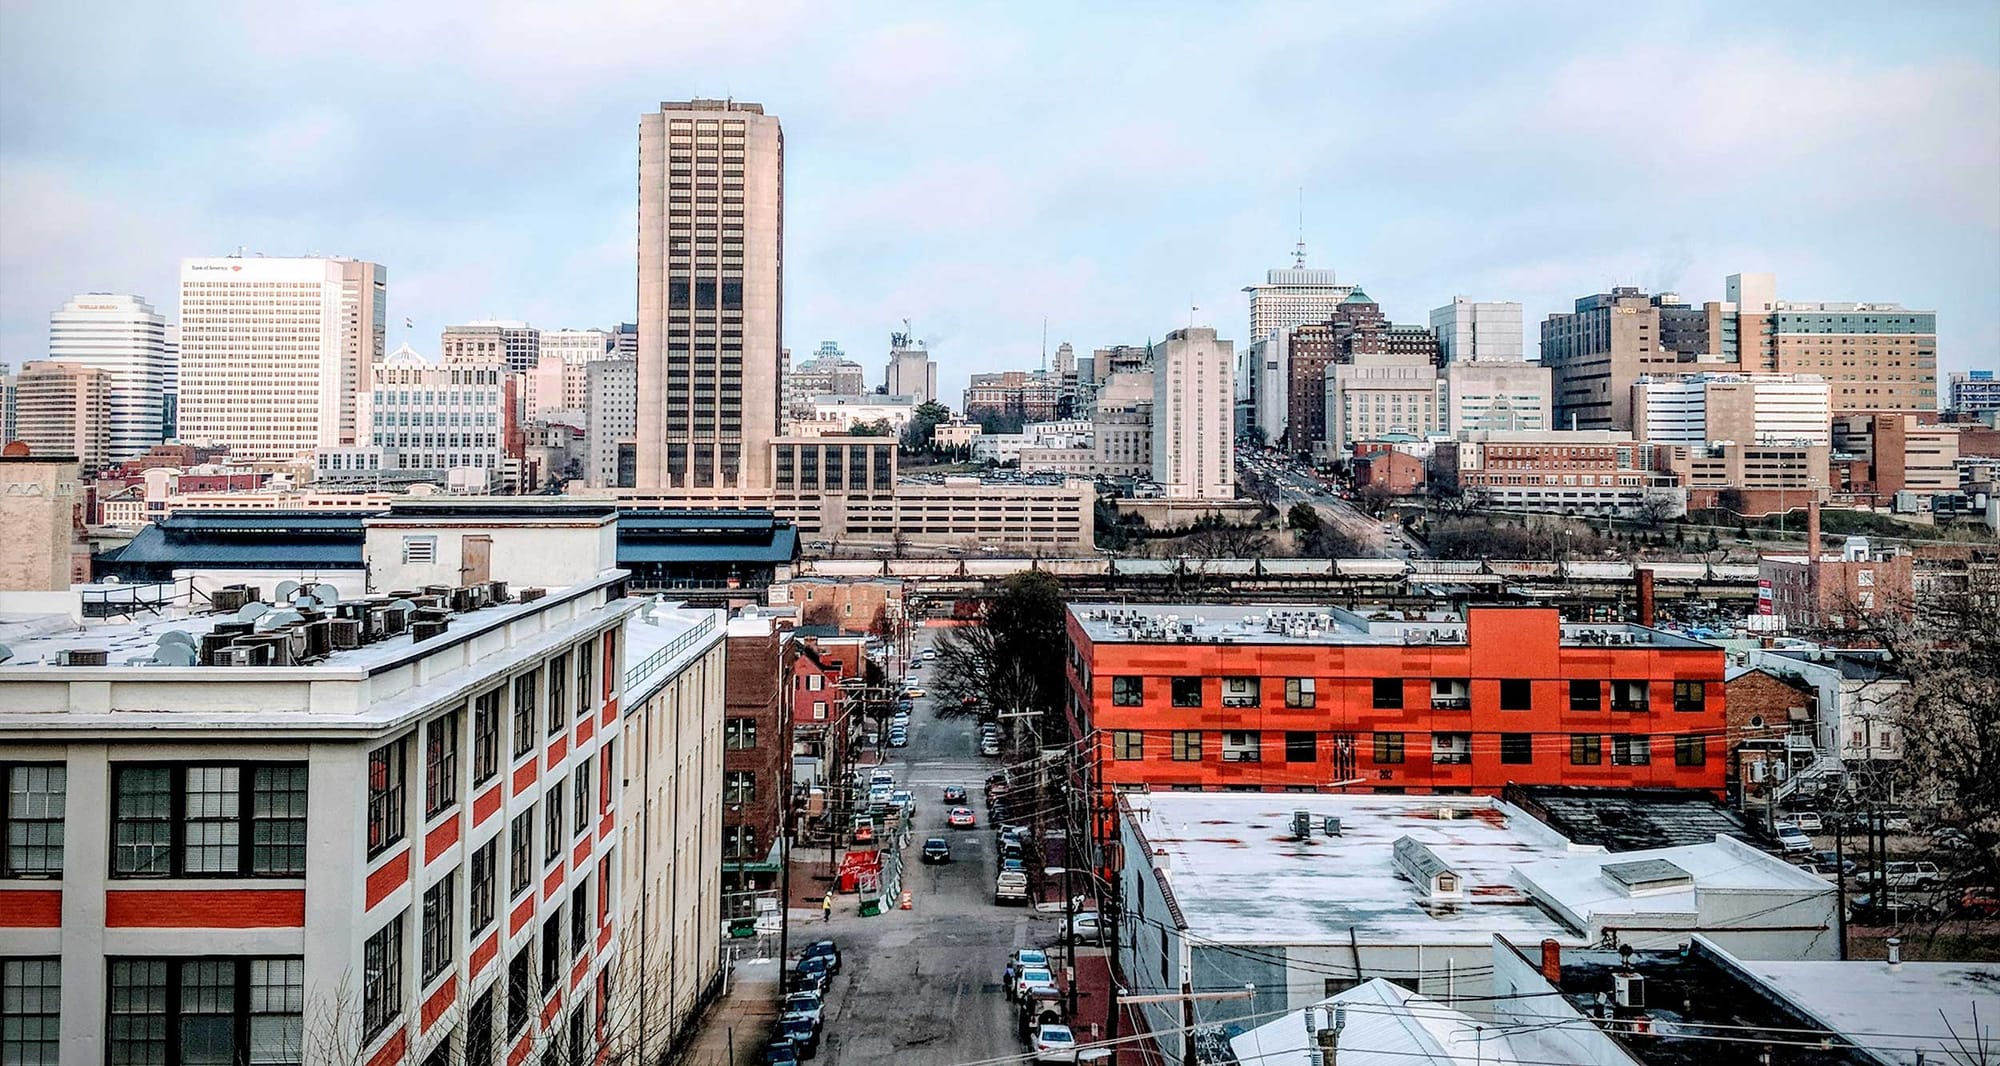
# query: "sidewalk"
[740,1021]
[1093,996]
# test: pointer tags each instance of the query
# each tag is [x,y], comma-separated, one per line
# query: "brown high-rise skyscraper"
[711,295]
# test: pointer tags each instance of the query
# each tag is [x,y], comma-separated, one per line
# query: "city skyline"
[936,187]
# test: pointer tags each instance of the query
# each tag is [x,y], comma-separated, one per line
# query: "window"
[479,891]
[583,810]
[1585,696]
[1301,747]
[441,1054]
[1187,745]
[1389,747]
[1242,747]
[739,841]
[579,918]
[552,950]
[1187,691]
[520,994]
[485,737]
[1451,749]
[1690,751]
[209,821]
[440,764]
[1299,692]
[558,697]
[584,663]
[521,853]
[1516,694]
[1517,749]
[1125,691]
[1586,749]
[438,934]
[524,714]
[30,1011]
[36,802]
[385,796]
[1240,692]
[1690,695]
[206,1010]
[739,786]
[382,978]
[1388,694]
[479,1030]
[1128,744]
[577,1018]
[739,734]
[552,824]
[1451,694]
[1632,749]
[420,550]
[1628,696]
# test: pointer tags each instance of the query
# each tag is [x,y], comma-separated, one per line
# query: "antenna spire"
[1299,249]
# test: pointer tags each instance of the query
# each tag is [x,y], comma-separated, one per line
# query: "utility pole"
[1186,997]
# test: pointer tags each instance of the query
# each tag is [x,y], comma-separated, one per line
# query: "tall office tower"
[1595,353]
[1973,391]
[711,295]
[517,344]
[1875,356]
[1263,379]
[911,371]
[625,340]
[1294,297]
[1738,408]
[124,337]
[275,352]
[1065,358]
[1357,327]
[1194,402]
[65,409]
[1377,394]
[1478,330]
[611,418]
[170,388]
[7,381]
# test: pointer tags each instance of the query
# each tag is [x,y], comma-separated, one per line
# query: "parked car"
[823,949]
[1031,978]
[1010,848]
[1807,820]
[899,720]
[1897,821]
[803,1034]
[1011,886]
[1912,875]
[960,818]
[1951,838]
[954,793]
[911,680]
[807,1005]
[814,981]
[929,654]
[816,966]
[990,747]
[880,776]
[1794,840]
[1019,960]
[912,692]
[899,738]
[1087,927]
[864,833]
[1828,862]
[1055,1043]
[1980,900]
[781,1053]
[937,850]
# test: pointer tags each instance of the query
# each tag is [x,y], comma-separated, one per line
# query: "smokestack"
[1812,553]
[1646,601]
[1552,961]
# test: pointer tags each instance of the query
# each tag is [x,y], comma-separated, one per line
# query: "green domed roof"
[1357,297]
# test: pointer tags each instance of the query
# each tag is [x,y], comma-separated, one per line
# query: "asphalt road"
[922,986]
[1295,487]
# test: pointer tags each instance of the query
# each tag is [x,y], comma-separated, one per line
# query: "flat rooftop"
[1215,623]
[1929,1005]
[1664,882]
[1635,819]
[1238,876]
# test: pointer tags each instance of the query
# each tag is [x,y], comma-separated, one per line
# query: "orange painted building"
[1275,698]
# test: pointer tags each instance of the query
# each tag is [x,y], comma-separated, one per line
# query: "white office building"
[274,353]
[1263,376]
[1481,330]
[1509,396]
[576,348]
[1743,408]
[911,372]
[611,417]
[1379,395]
[1293,297]
[430,420]
[1194,407]
[124,337]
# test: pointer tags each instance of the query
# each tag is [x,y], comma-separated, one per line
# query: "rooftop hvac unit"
[318,638]
[230,598]
[1628,989]
[425,630]
[211,645]
[1331,826]
[83,657]
[439,591]
[272,649]
[394,620]
[463,600]
[497,591]
[531,595]
[1301,824]
[235,629]
[244,655]
[345,632]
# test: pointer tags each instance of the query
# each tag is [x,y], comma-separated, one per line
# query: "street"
[1295,486]
[923,985]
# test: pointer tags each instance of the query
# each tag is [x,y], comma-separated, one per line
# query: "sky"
[1118,169]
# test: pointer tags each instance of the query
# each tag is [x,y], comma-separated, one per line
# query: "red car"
[954,793]
[960,818]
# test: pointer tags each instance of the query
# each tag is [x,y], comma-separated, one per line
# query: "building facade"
[1697,409]
[64,409]
[124,337]
[910,372]
[1194,440]
[1378,395]
[611,418]
[756,757]
[515,345]
[275,353]
[1565,472]
[1973,391]
[1487,394]
[1024,395]
[1596,352]
[370,846]
[431,419]
[711,285]
[1274,699]
[1289,298]
[828,373]
[1478,331]
[1749,479]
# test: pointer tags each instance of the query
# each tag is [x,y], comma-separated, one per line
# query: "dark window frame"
[1128,691]
[521,852]
[1386,694]
[1517,694]
[382,995]
[388,812]
[1128,745]
[51,821]
[1691,751]
[441,764]
[1187,745]
[485,737]
[526,685]
[1694,704]
[1177,687]
[254,835]
[1586,749]
[438,928]
[1512,747]
[579,917]
[552,823]
[552,950]
[1388,748]
[520,987]
[558,671]
[1301,746]
[1586,699]
[482,881]
[15,1019]
[173,1012]
[582,784]
[1301,692]
[586,673]
[479,1030]
[1637,749]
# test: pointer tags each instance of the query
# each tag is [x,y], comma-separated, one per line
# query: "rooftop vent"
[1434,877]
[531,595]
[1645,877]
[425,629]
[83,657]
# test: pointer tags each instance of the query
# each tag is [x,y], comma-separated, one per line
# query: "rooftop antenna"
[1299,249]
[1045,344]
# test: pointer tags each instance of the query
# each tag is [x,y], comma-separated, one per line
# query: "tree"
[878,428]
[1656,507]
[1254,434]
[921,433]
[1012,660]
[1303,518]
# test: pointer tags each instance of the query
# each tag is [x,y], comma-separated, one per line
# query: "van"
[1010,887]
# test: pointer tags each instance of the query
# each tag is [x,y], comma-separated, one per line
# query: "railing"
[1628,705]
[1451,758]
[1239,701]
[1451,703]
[673,649]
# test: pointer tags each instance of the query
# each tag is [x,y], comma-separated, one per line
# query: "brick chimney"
[1552,961]
[1812,553]
[1644,575]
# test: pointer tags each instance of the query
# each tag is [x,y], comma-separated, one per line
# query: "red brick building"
[1398,473]
[1772,721]
[1273,698]
[756,755]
